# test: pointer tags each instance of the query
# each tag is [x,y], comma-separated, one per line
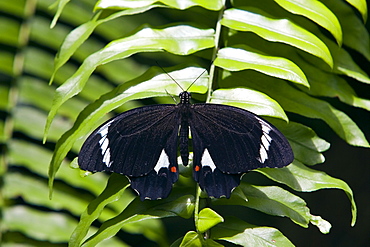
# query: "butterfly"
[143,144]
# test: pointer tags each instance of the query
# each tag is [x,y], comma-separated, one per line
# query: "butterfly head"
[185,97]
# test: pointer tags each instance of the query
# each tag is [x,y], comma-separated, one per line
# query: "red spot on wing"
[197,168]
[173,169]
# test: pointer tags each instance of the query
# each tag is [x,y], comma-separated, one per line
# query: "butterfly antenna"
[169,76]
[195,80]
[174,99]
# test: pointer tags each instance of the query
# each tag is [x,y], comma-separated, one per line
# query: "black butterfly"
[142,144]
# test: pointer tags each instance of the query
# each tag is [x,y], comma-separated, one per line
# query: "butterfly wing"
[229,141]
[140,143]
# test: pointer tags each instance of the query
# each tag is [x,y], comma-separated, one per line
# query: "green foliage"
[270,57]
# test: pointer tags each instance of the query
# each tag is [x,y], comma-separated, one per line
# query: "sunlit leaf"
[272,200]
[301,178]
[60,4]
[344,64]
[361,6]
[79,35]
[178,4]
[331,85]
[207,219]
[191,238]
[355,34]
[241,233]
[281,30]
[41,225]
[250,100]
[115,187]
[317,12]
[296,101]
[139,211]
[235,59]
[37,158]
[34,190]
[181,40]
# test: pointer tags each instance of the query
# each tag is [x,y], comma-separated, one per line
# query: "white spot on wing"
[104,143]
[265,142]
[163,162]
[207,160]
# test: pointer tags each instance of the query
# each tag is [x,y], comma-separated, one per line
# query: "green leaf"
[330,85]
[54,227]
[36,92]
[323,225]
[41,225]
[192,238]
[115,187]
[36,119]
[296,101]
[34,190]
[152,83]
[4,96]
[306,145]
[81,33]
[152,229]
[271,200]
[276,201]
[38,62]
[73,41]
[235,59]
[210,243]
[241,233]
[250,100]
[13,7]
[182,4]
[180,40]
[207,219]
[138,211]
[317,12]
[356,38]
[9,28]
[36,159]
[274,30]
[115,192]
[6,62]
[344,64]
[361,6]
[301,178]
[44,36]
[60,4]
[337,120]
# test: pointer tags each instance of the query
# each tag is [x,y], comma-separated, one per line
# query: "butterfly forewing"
[134,145]
[230,141]
[237,140]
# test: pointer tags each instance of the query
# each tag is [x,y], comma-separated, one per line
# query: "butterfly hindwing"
[140,143]
[229,141]
[155,185]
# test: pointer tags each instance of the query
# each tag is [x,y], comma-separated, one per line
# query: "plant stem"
[212,70]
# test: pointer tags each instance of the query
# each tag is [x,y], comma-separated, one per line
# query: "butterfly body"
[142,144]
